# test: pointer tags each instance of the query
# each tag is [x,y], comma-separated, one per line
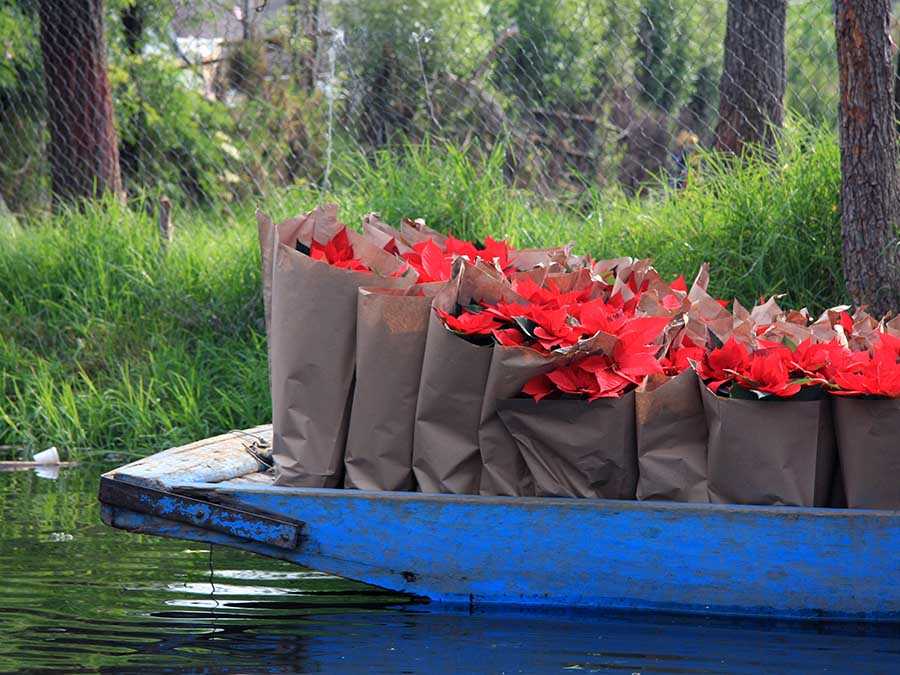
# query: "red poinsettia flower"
[875,374]
[598,316]
[433,263]
[820,360]
[495,253]
[634,355]
[454,247]
[470,323]
[719,365]
[592,377]
[596,376]
[679,358]
[768,371]
[679,284]
[509,337]
[553,327]
[429,262]
[337,252]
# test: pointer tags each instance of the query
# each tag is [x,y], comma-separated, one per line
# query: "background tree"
[751,91]
[84,157]
[870,201]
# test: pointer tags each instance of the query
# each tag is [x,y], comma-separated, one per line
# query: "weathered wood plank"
[208,461]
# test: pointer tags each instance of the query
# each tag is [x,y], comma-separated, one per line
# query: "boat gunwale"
[567,502]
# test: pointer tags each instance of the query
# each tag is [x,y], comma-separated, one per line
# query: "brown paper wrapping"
[451,389]
[312,339]
[504,470]
[671,439]
[576,448]
[769,452]
[867,435]
[391,325]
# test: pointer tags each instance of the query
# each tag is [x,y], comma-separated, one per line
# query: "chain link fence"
[219,101]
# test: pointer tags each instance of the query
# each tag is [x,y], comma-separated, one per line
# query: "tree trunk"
[751,91]
[84,157]
[897,93]
[870,200]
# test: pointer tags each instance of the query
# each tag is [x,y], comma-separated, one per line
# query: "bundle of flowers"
[313,267]
[770,437]
[560,313]
[670,423]
[337,252]
[867,417]
[578,350]
[433,261]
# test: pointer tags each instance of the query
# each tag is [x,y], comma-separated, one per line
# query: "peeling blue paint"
[710,559]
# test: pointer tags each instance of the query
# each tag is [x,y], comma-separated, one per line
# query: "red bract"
[679,359]
[429,262]
[509,337]
[391,247]
[679,284]
[553,328]
[337,252]
[470,323]
[496,253]
[768,371]
[820,359]
[599,316]
[719,365]
[607,376]
[876,374]
[592,377]
[433,263]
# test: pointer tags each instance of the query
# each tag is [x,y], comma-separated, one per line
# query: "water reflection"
[79,596]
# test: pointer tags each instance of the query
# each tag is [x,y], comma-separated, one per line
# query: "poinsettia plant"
[337,252]
[874,373]
[434,262]
[679,358]
[553,315]
[607,375]
[773,369]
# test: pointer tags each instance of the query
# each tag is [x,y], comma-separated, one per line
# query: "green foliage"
[532,65]
[661,54]
[109,344]
[812,75]
[172,140]
[24,179]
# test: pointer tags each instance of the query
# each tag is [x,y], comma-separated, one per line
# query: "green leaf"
[790,344]
[526,325]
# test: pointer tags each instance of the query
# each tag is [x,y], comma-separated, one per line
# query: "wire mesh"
[220,101]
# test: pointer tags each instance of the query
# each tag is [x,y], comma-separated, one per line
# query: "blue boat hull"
[707,559]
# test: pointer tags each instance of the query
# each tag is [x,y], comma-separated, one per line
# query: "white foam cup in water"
[48,456]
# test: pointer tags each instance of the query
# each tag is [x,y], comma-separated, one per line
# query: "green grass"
[107,342]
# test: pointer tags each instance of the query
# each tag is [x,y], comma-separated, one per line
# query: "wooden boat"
[826,564]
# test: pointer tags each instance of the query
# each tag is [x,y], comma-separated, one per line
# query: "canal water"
[78,596]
